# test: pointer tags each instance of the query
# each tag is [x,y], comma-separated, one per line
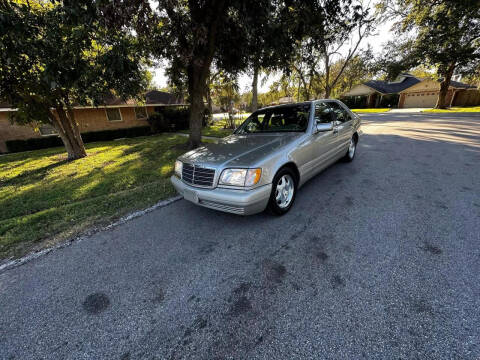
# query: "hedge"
[172,119]
[165,119]
[53,141]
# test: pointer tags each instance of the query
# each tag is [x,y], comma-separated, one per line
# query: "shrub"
[355,102]
[158,123]
[106,135]
[178,118]
[53,141]
[33,144]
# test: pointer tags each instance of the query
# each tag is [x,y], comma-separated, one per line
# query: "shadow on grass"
[59,197]
[33,175]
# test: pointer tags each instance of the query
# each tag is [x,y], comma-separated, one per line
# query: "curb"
[29,257]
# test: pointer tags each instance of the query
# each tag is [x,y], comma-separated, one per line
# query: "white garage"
[420,100]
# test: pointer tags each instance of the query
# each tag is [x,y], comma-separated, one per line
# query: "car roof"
[286,105]
[295,103]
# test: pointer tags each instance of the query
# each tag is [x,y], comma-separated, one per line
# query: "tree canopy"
[239,35]
[194,36]
[444,34]
[58,54]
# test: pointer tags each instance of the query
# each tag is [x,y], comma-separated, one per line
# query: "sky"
[376,41]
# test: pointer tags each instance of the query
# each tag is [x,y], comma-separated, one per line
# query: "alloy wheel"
[284,191]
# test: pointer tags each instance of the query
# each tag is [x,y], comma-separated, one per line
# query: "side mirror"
[322,127]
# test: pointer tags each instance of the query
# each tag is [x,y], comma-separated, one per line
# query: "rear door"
[344,127]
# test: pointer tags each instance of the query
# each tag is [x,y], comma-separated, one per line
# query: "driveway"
[378,259]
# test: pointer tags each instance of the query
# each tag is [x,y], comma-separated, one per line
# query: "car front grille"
[198,175]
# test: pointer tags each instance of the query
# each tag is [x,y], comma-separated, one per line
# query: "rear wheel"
[352,148]
[284,188]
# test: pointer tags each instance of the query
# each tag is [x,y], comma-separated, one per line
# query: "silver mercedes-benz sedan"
[268,158]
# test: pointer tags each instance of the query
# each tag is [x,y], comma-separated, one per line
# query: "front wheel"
[352,148]
[284,188]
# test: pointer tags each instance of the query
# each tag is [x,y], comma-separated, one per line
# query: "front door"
[323,142]
[344,126]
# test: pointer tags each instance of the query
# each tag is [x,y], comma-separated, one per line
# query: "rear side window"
[341,114]
[323,113]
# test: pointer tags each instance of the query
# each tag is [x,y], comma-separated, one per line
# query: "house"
[114,114]
[379,93]
[424,94]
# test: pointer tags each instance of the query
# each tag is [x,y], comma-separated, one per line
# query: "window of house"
[141,113]
[47,130]
[113,114]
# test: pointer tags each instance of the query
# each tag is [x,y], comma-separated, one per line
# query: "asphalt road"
[377,259]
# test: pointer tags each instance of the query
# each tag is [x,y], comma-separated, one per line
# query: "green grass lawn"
[373,110]
[45,199]
[455,109]
[214,131]
[217,129]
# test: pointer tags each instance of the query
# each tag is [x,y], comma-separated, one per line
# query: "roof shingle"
[386,87]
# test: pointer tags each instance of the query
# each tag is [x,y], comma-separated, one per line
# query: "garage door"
[421,100]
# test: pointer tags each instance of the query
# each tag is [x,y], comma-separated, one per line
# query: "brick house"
[115,114]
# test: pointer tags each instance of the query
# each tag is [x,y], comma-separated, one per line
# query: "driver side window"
[341,114]
[323,113]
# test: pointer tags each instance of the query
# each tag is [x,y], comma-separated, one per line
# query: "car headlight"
[178,168]
[240,177]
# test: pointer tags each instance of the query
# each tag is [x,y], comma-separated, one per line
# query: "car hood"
[238,150]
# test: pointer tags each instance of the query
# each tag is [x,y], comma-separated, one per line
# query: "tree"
[444,34]
[235,36]
[56,55]
[195,35]
[224,89]
[358,70]
[333,41]
[187,34]
[473,78]
[269,44]
[356,21]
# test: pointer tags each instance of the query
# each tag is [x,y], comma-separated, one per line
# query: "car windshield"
[278,119]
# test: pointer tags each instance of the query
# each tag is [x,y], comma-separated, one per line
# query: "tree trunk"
[327,76]
[67,128]
[209,104]
[444,85]
[196,86]
[208,96]
[199,65]
[255,89]
[327,92]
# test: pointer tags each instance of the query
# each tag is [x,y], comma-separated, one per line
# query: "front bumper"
[241,202]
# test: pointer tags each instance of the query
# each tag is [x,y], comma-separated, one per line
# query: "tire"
[281,204]
[350,155]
